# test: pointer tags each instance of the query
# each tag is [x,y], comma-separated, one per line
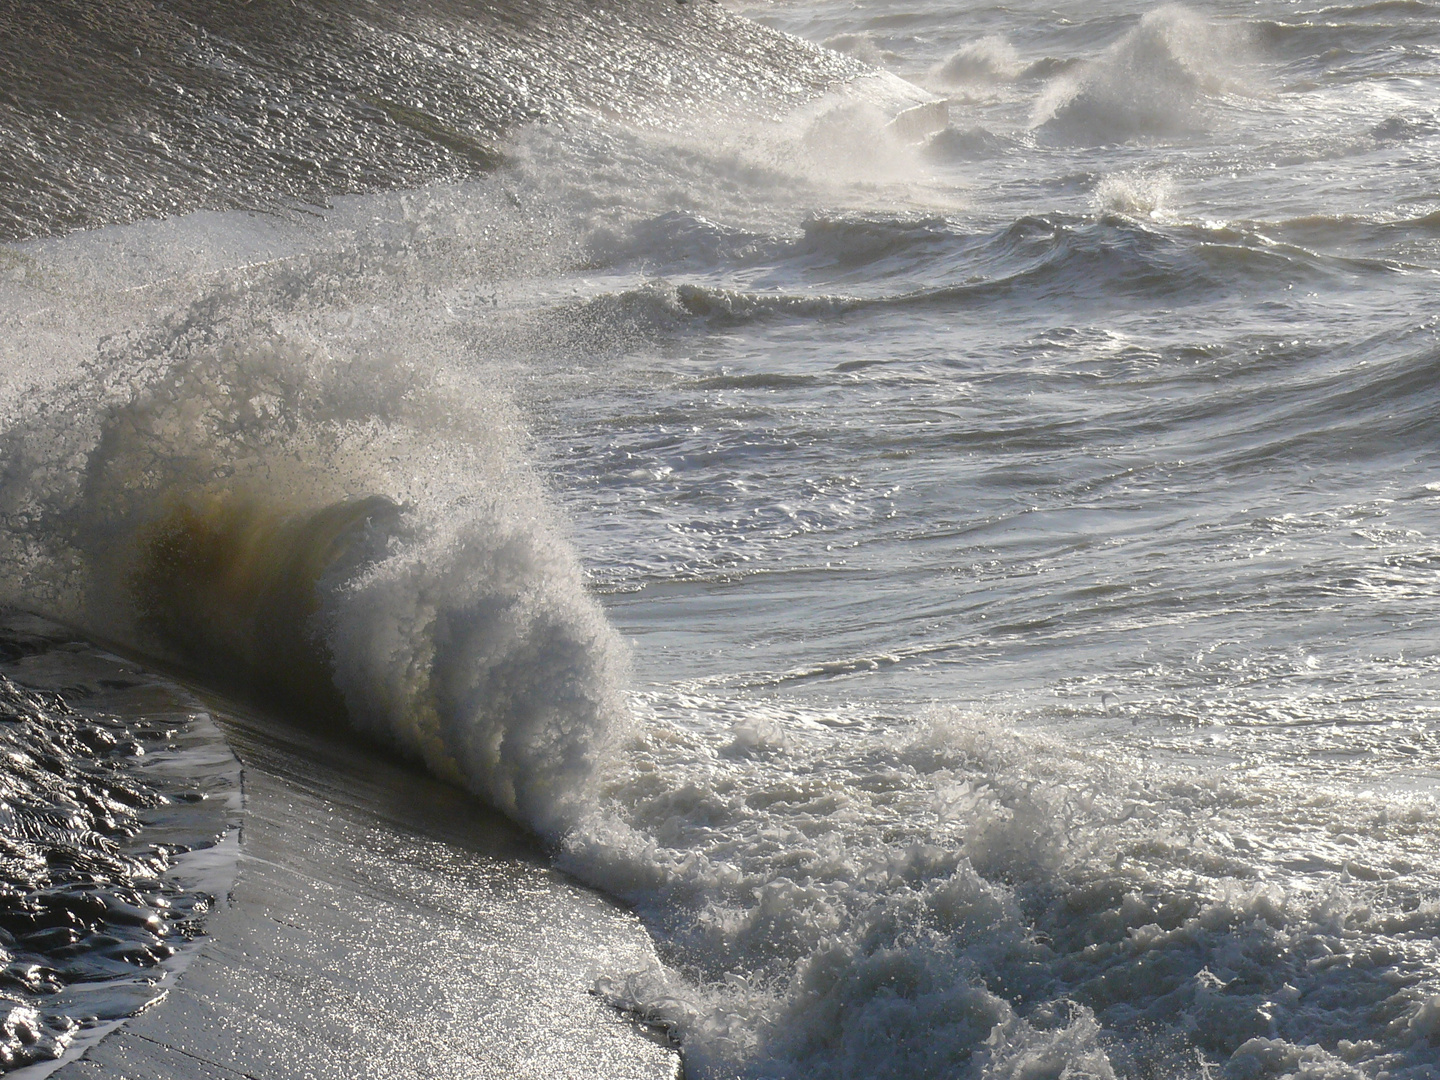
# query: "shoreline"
[385,924]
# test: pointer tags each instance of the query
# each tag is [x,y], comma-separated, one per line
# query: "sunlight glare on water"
[974,596]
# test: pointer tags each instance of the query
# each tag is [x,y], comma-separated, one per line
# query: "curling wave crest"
[1108,425]
[347,531]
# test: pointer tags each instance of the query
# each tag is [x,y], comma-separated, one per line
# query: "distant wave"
[1068,259]
[1155,81]
[1338,35]
[989,59]
[966,144]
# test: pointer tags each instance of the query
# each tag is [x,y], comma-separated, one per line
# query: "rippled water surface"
[1029,550]
[975,597]
[118,802]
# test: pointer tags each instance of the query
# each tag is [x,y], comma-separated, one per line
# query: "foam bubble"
[829,907]
[964,895]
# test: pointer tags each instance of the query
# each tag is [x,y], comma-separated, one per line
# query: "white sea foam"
[857,903]
[288,513]
[1157,81]
[1137,864]
[818,949]
[989,59]
[1139,194]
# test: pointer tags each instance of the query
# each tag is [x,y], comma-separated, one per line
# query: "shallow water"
[120,800]
[974,598]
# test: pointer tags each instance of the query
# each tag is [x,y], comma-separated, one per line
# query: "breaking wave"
[352,534]
[967,898]
[1157,81]
[991,59]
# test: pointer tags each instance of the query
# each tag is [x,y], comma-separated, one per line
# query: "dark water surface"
[114,111]
[120,804]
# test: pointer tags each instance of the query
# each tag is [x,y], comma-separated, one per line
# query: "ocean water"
[970,585]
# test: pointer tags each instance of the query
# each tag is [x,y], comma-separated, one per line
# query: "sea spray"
[991,59]
[968,896]
[478,651]
[1136,194]
[1155,82]
[351,533]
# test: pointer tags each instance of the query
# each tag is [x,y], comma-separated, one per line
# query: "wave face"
[411,583]
[974,598]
